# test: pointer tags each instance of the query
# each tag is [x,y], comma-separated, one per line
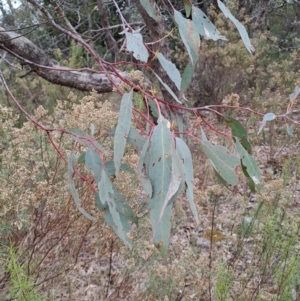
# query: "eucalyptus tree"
[135,35]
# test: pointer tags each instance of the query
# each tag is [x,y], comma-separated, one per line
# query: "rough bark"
[46,67]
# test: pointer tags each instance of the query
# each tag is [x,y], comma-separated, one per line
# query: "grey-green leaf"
[135,139]
[188,171]
[223,162]
[81,159]
[99,204]
[295,94]
[153,107]
[168,88]
[175,181]
[94,163]
[171,70]
[267,117]
[159,170]
[187,7]
[147,187]
[239,26]
[134,44]
[107,196]
[108,216]
[189,36]
[187,76]
[149,9]
[249,162]
[71,164]
[123,207]
[122,129]
[204,26]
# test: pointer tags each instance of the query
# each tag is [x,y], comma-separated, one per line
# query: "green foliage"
[249,165]
[168,88]
[21,286]
[223,284]
[134,44]
[166,164]
[223,163]
[278,243]
[122,129]
[171,70]
[189,36]
[239,26]
[76,56]
[205,27]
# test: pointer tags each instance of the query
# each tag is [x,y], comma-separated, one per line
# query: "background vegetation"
[247,244]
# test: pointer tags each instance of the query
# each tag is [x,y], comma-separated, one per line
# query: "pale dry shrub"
[35,200]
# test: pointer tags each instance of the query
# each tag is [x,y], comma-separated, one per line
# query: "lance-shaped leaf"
[159,169]
[220,179]
[188,172]
[94,163]
[187,76]
[175,181]
[249,162]
[71,164]
[147,187]
[134,44]
[150,9]
[171,70]
[295,94]
[135,139]
[122,129]
[187,8]
[108,216]
[223,162]
[81,159]
[267,117]
[250,182]
[168,88]
[204,26]
[239,26]
[121,205]
[107,197]
[189,36]
[237,130]
[153,108]
[99,204]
